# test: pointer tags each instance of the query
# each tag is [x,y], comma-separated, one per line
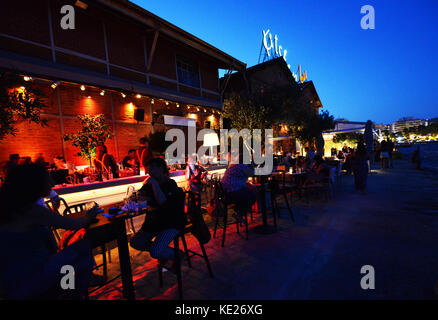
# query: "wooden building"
[119,60]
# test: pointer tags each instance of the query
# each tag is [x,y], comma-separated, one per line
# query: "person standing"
[390,148]
[143,154]
[383,155]
[360,167]
[310,155]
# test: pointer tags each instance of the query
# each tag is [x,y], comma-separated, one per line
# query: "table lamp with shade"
[211,140]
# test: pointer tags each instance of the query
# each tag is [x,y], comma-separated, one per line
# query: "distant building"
[405,123]
[341,126]
[382,127]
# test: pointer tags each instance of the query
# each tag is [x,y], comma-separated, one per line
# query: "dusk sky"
[381,75]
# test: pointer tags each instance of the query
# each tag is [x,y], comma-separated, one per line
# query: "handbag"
[70,237]
[200,229]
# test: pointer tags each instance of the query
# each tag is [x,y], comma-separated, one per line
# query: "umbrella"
[369,141]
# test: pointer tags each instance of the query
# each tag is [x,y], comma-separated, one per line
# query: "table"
[105,230]
[264,228]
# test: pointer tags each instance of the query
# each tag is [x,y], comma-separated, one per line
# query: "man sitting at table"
[167,216]
[236,187]
[318,171]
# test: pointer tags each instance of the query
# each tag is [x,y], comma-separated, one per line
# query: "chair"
[324,186]
[54,205]
[193,202]
[224,206]
[276,191]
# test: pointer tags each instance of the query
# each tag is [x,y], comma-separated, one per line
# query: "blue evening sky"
[381,75]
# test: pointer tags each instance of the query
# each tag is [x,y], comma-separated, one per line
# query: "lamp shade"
[211,140]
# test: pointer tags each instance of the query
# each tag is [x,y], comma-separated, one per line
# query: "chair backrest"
[55,204]
[79,207]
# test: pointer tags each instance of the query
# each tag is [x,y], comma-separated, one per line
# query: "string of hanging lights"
[83,88]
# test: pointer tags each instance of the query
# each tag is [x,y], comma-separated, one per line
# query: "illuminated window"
[188,72]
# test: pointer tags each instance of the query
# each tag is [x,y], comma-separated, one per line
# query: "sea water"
[428,154]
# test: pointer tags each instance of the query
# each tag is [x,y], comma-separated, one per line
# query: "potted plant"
[94,132]
[19,100]
[157,142]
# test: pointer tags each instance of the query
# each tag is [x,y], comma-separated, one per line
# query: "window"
[188,72]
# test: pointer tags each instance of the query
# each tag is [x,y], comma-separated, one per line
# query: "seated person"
[25,160]
[60,172]
[300,164]
[60,163]
[130,161]
[318,171]
[238,191]
[195,174]
[333,152]
[105,163]
[29,263]
[168,218]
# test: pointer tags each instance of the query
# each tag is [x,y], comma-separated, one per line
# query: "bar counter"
[114,191]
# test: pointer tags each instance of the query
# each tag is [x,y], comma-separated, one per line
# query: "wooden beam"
[227,78]
[151,55]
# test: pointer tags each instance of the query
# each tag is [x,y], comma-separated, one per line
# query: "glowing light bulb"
[83,88]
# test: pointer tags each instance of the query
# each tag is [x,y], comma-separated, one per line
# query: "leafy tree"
[94,132]
[352,137]
[271,107]
[19,100]
[247,112]
[311,126]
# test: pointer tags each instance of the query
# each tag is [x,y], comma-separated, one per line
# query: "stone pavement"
[394,228]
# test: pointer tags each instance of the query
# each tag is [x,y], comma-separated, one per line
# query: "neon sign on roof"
[274,49]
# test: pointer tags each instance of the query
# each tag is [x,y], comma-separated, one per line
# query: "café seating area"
[277,197]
